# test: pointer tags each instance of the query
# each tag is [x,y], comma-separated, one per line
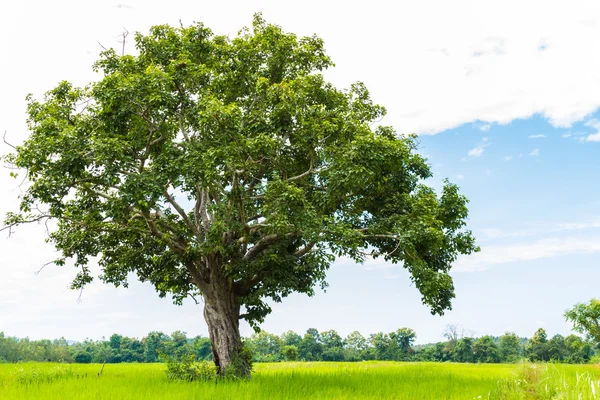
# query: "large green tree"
[228,168]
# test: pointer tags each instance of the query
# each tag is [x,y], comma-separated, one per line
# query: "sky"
[505,98]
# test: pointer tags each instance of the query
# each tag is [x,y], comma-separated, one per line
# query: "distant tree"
[485,350]
[355,346]
[537,347]
[463,351]
[401,342]
[154,343]
[557,349]
[115,341]
[585,318]
[578,350]
[509,346]
[332,343]
[437,352]
[310,347]
[452,333]
[103,353]
[229,168]
[178,345]
[331,339]
[290,353]
[291,338]
[382,345]
[202,348]
[265,346]
[83,358]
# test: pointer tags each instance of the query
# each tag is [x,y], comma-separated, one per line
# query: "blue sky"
[504,96]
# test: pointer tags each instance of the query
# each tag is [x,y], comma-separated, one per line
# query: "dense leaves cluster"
[586,319]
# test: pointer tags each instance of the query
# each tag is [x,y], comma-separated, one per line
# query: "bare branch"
[6,142]
[193,298]
[124,36]
[25,221]
[43,266]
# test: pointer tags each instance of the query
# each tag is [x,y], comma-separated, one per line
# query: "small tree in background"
[290,353]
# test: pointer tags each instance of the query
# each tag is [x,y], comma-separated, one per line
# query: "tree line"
[398,346]
[154,347]
[312,346]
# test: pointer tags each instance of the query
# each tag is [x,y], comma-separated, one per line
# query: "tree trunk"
[222,312]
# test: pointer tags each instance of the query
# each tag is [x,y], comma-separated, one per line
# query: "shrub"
[241,363]
[83,358]
[188,369]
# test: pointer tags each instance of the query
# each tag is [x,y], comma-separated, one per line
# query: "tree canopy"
[230,169]
[586,319]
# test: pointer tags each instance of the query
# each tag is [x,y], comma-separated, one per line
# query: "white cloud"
[536,136]
[571,226]
[521,252]
[495,233]
[535,152]
[480,69]
[485,128]
[476,151]
[460,177]
[594,137]
[507,158]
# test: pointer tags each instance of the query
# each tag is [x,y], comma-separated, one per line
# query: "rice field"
[362,380]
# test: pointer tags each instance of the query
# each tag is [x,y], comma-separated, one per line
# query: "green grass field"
[363,380]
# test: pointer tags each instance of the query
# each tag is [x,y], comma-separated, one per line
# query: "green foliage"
[186,368]
[585,318]
[241,365]
[83,358]
[310,347]
[290,338]
[485,350]
[537,347]
[463,351]
[325,346]
[265,347]
[509,347]
[290,353]
[204,155]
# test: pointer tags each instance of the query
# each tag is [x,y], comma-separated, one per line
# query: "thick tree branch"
[305,250]
[260,246]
